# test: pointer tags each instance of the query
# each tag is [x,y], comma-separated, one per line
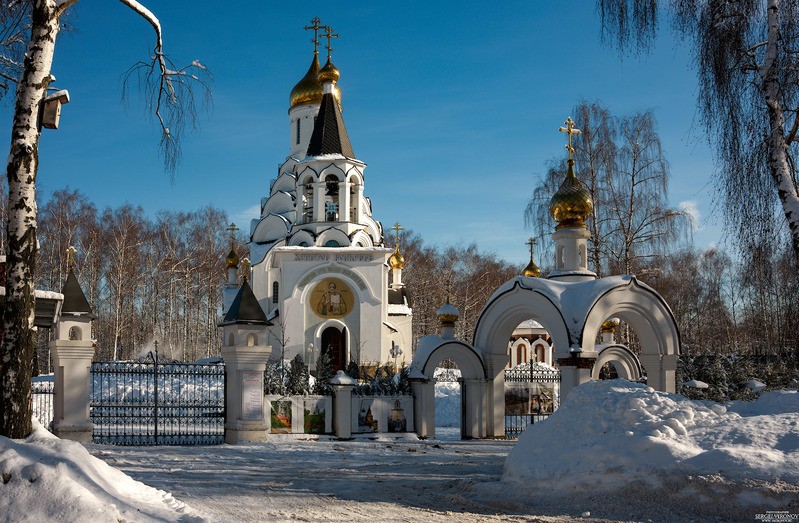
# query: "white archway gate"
[430,352]
[572,313]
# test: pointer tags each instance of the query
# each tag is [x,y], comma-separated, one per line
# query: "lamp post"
[309,350]
[395,352]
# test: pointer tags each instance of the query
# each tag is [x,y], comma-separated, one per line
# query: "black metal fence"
[157,404]
[42,402]
[532,393]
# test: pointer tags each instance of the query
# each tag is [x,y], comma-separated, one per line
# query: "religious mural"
[332,298]
[314,422]
[397,421]
[281,417]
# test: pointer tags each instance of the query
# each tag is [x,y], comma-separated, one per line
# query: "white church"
[320,268]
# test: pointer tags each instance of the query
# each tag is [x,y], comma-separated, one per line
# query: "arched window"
[331,198]
[299,121]
[332,243]
[230,340]
[252,340]
[75,334]
[275,289]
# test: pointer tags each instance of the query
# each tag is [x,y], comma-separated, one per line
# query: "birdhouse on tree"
[52,108]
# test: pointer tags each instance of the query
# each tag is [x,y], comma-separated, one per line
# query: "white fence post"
[342,404]
[72,355]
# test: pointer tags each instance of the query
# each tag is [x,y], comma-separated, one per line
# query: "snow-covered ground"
[614,451]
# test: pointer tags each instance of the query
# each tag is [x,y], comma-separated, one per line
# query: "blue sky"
[454,107]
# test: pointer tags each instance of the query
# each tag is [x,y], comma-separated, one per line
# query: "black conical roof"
[245,309]
[75,302]
[329,132]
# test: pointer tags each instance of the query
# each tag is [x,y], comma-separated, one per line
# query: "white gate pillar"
[573,372]
[473,420]
[424,406]
[495,394]
[342,404]
[660,371]
[244,396]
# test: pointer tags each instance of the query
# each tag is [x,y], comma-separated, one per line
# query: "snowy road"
[335,481]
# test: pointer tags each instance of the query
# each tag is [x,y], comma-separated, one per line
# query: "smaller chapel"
[319,267]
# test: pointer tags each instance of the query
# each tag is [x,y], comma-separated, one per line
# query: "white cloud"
[242,218]
[691,208]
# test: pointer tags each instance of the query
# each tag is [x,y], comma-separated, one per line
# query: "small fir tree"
[324,373]
[297,379]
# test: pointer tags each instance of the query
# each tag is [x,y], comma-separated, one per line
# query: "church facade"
[320,269]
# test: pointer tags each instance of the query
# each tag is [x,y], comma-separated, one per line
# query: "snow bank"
[49,479]
[610,434]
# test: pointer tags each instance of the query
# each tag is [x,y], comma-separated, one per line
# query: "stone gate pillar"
[244,393]
[474,397]
[424,406]
[342,404]
[574,371]
[73,350]
[495,395]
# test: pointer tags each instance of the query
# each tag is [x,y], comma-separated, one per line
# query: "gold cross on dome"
[531,242]
[570,130]
[71,257]
[397,228]
[315,28]
[232,228]
[329,34]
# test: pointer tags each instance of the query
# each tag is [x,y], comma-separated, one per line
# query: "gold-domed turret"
[609,325]
[329,73]
[232,259]
[532,270]
[572,204]
[396,260]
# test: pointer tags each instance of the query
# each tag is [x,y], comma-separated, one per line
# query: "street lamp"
[309,351]
[395,352]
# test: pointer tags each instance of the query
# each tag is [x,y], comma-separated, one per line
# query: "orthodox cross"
[397,228]
[315,28]
[232,230]
[71,257]
[329,34]
[570,130]
[531,242]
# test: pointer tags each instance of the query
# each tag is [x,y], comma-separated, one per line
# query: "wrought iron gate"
[532,393]
[157,404]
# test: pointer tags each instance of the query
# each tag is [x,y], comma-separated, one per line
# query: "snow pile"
[46,478]
[611,434]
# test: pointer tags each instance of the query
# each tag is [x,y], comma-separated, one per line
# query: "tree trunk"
[16,363]
[778,148]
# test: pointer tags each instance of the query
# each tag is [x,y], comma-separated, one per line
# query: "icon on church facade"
[332,297]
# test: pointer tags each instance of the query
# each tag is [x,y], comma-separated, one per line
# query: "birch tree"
[747,59]
[33,26]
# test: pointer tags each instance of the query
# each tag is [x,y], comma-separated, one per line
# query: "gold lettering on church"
[354,257]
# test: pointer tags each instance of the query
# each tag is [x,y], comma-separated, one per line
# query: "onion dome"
[448,314]
[309,89]
[396,260]
[232,259]
[572,204]
[329,73]
[532,270]
[609,325]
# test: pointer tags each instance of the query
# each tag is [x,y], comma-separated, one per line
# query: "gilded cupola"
[309,89]
[532,270]
[572,204]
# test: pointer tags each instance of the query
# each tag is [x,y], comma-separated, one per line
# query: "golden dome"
[396,260]
[448,314]
[532,270]
[609,325]
[232,259]
[329,72]
[572,204]
[309,89]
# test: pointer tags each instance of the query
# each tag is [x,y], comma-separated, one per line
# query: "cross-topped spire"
[532,241]
[397,228]
[315,28]
[329,34]
[232,228]
[570,130]
[71,257]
